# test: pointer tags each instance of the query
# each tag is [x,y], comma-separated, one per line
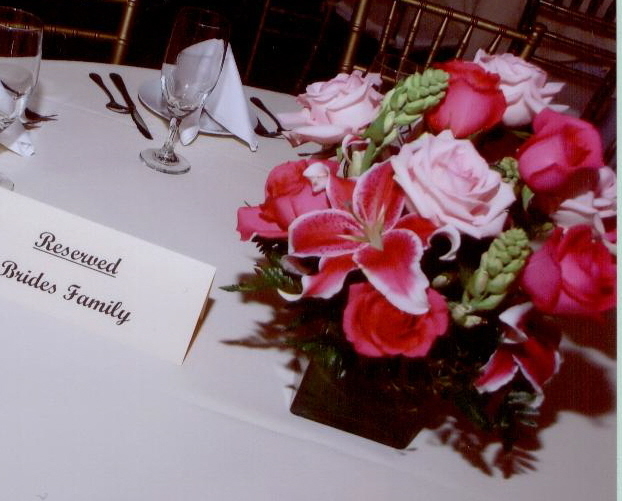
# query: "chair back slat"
[416,33]
[579,47]
[283,23]
[464,41]
[117,40]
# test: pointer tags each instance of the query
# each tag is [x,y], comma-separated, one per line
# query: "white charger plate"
[150,94]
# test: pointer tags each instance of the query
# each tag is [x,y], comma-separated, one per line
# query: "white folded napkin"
[15,137]
[227,105]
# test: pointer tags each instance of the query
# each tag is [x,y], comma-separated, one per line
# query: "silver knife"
[138,120]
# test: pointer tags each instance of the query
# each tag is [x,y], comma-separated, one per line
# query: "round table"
[85,418]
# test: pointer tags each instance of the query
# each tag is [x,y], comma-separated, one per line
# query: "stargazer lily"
[367,232]
[534,354]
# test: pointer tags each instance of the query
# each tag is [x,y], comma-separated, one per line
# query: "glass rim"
[23,20]
[205,12]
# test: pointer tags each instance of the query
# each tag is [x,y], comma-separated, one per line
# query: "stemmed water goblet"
[21,38]
[192,65]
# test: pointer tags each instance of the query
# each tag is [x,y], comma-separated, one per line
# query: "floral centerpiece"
[424,256]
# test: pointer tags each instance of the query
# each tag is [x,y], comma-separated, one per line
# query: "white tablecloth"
[83,418]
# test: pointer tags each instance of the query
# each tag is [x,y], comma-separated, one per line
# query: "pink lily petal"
[498,371]
[537,361]
[421,226]
[330,277]
[378,197]
[513,317]
[329,232]
[395,270]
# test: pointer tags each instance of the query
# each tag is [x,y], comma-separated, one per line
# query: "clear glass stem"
[167,152]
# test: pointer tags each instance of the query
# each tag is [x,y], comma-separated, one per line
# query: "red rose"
[376,328]
[572,273]
[288,195]
[473,102]
[561,145]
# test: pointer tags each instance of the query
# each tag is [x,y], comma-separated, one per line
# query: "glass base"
[151,158]
[5,182]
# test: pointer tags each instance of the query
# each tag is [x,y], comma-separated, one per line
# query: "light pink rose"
[573,273]
[331,110]
[376,328]
[560,147]
[473,102]
[289,193]
[595,206]
[449,183]
[523,84]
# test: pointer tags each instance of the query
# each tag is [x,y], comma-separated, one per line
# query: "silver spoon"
[111,104]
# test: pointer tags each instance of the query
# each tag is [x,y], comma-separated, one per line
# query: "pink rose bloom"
[473,102]
[331,110]
[572,273]
[449,183]
[376,328]
[560,146]
[289,193]
[523,84]
[595,206]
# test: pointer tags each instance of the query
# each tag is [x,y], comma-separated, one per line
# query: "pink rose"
[523,84]
[344,105]
[289,193]
[449,183]
[376,328]
[473,102]
[594,205]
[572,273]
[560,146]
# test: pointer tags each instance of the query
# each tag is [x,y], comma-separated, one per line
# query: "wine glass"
[21,37]
[194,59]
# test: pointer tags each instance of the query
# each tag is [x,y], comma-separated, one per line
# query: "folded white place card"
[103,280]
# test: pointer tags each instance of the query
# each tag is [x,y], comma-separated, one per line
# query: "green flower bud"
[489,303]
[513,266]
[494,265]
[500,284]
[442,280]
[478,282]
[472,321]
[508,168]
[388,123]
[405,119]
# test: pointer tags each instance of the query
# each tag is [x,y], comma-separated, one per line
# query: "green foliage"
[402,106]
[270,273]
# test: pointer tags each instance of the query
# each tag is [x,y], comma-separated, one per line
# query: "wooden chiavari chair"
[579,46]
[448,34]
[288,23]
[114,39]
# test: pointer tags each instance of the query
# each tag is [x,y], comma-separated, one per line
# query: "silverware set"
[130,108]
[113,105]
